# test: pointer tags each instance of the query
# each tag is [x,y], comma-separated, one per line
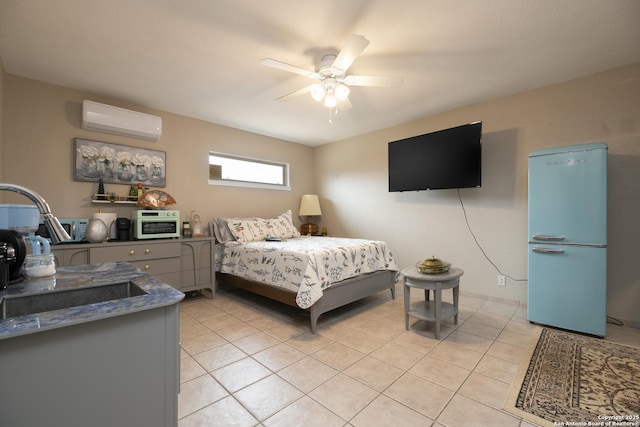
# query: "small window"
[225,169]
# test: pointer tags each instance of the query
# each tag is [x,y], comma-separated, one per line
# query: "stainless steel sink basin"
[21,305]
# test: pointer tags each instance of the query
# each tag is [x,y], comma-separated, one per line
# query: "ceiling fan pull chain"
[330,121]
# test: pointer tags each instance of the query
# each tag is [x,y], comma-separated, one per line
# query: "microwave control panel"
[156,214]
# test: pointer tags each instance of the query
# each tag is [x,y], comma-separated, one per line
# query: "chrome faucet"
[56,230]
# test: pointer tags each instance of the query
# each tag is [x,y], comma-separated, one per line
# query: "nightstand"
[431,311]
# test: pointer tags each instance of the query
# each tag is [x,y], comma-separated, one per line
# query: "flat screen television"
[449,158]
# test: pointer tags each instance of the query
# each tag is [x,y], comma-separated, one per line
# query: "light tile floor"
[248,361]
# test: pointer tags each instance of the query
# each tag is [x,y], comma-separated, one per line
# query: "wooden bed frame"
[339,294]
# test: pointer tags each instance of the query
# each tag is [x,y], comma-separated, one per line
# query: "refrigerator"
[567,247]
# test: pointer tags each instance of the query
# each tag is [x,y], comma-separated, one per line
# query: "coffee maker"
[12,254]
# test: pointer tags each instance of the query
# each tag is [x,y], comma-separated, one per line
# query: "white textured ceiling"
[201,58]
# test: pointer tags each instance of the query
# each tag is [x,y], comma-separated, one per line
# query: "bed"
[314,273]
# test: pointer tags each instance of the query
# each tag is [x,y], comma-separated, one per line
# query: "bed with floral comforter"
[322,273]
[306,265]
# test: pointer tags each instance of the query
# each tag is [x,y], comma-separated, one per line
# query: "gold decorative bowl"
[433,266]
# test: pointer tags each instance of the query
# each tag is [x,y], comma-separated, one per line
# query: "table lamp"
[309,206]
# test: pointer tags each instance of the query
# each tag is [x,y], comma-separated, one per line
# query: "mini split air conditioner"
[119,121]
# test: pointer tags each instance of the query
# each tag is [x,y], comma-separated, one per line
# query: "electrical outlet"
[502,281]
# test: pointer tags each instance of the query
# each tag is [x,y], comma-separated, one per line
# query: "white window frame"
[251,184]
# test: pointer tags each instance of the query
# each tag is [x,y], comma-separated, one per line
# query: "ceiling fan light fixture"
[330,101]
[341,91]
[317,92]
[332,83]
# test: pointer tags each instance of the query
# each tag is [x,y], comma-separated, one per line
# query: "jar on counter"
[40,265]
[196,227]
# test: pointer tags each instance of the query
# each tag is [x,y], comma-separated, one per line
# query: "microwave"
[155,224]
[76,228]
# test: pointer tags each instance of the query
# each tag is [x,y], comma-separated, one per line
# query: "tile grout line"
[380,393]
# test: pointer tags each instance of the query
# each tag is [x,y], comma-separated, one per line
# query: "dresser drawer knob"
[147,267]
[132,252]
[147,251]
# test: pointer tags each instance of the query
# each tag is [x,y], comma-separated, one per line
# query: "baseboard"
[496,299]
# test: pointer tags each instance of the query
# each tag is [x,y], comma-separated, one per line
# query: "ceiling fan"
[333,84]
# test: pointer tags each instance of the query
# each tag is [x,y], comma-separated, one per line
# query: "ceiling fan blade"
[352,48]
[290,68]
[377,81]
[296,93]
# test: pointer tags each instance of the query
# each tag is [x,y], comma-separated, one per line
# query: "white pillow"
[221,228]
[289,217]
[247,230]
[282,226]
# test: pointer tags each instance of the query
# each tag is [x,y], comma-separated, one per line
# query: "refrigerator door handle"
[548,251]
[548,238]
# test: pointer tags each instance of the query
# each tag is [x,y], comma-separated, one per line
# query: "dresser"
[186,264]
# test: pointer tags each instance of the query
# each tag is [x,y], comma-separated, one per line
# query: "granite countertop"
[159,294]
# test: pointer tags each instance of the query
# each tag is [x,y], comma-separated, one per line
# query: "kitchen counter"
[111,363]
[159,294]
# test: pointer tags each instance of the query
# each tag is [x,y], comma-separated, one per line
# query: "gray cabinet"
[71,256]
[119,371]
[161,259]
[185,264]
[197,265]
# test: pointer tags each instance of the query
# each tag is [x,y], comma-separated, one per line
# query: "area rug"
[575,380]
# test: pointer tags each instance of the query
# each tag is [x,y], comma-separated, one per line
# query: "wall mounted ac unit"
[119,121]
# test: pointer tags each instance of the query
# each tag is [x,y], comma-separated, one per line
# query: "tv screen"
[449,158]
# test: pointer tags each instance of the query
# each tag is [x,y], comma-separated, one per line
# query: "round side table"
[431,311]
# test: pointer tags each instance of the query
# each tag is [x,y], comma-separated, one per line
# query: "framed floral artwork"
[118,164]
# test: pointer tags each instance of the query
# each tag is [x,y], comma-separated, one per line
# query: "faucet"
[56,230]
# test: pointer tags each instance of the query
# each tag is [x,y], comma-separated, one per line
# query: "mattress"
[305,265]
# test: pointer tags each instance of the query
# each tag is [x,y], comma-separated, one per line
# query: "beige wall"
[352,182]
[41,121]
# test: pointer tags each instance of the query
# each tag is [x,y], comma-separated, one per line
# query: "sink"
[21,305]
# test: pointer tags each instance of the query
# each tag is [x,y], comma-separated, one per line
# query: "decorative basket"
[156,199]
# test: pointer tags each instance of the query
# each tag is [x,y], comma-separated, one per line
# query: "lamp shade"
[310,205]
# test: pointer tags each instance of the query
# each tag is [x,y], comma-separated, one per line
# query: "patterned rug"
[574,380]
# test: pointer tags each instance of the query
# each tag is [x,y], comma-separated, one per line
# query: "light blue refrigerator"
[567,280]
